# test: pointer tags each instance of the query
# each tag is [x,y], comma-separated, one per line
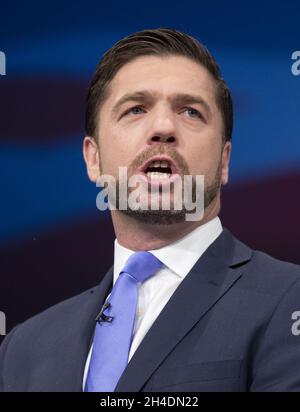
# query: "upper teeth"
[159,163]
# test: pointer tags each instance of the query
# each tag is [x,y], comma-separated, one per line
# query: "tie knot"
[141,265]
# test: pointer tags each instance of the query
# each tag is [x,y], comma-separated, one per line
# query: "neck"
[136,235]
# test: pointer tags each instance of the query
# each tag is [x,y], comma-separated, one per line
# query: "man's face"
[161,107]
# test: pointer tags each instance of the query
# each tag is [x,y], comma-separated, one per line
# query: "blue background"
[54,243]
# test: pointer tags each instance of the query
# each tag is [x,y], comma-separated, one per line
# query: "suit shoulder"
[272,275]
[261,268]
[58,314]
[266,261]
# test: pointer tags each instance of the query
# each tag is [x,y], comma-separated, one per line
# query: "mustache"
[159,150]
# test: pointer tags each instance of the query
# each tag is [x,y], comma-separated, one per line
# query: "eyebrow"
[146,96]
[185,98]
[138,96]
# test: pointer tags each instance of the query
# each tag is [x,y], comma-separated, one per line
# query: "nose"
[163,128]
[158,138]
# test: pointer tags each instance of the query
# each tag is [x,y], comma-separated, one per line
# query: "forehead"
[164,76]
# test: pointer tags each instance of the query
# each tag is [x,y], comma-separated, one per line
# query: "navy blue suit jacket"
[229,326]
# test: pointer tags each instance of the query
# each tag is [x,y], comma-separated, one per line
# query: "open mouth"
[159,168]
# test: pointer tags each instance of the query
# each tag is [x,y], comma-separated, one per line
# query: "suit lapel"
[77,347]
[211,277]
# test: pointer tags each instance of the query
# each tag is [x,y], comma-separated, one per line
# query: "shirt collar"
[189,248]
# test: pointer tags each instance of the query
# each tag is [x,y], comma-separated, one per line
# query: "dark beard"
[157,217]
[172,216]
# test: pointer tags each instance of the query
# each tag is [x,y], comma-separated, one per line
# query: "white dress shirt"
[178,258]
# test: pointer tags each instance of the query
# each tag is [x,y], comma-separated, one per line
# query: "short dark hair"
[157,42]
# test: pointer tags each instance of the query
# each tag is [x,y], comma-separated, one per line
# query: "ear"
[91,157]
[225,162]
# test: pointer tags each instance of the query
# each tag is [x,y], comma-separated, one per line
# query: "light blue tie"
[114,329]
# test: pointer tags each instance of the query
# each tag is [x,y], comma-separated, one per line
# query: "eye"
[135,110]
[193,113]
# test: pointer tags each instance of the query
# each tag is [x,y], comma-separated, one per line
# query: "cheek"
[122,141]
[203,158]
[115,151]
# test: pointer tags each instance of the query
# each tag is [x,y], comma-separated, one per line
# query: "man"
[210,314]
